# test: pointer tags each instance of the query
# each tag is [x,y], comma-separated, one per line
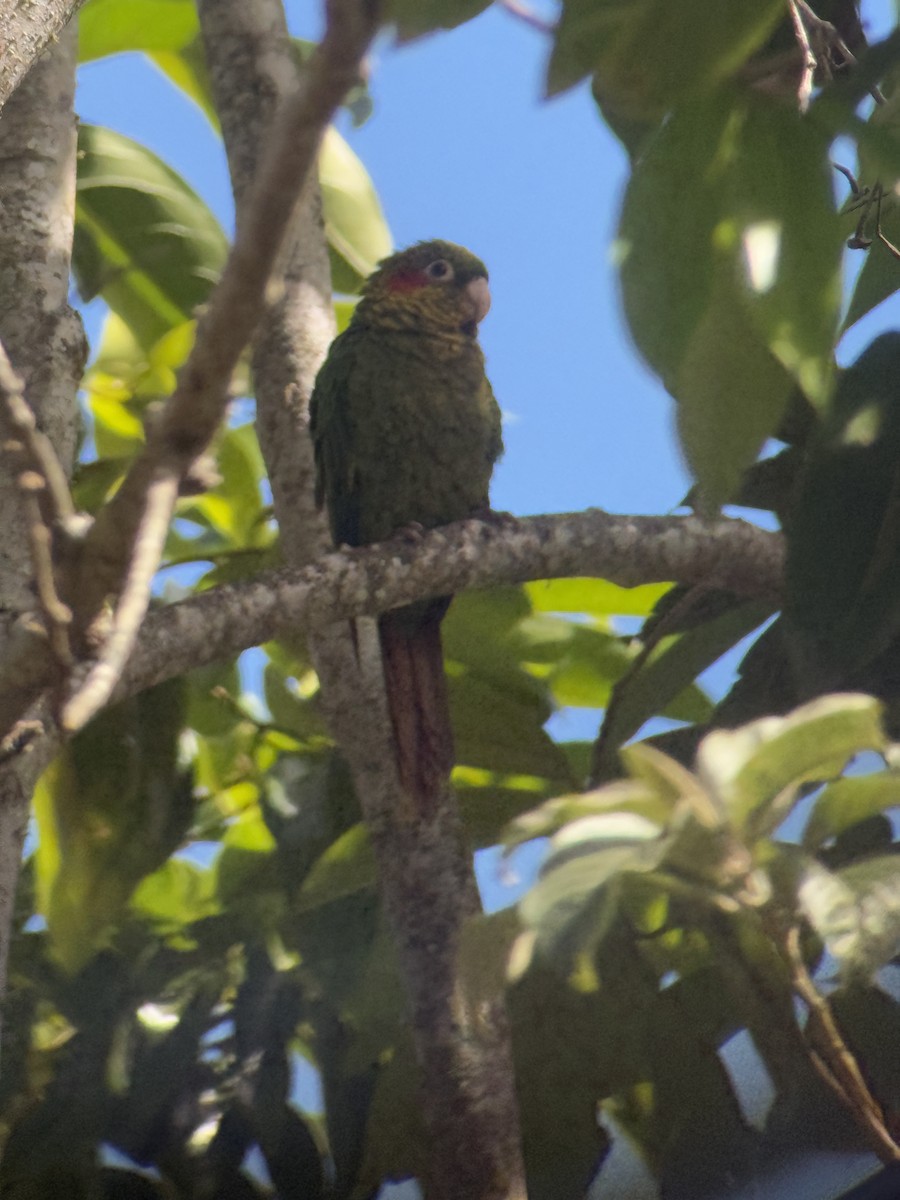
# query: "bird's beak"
[479,294]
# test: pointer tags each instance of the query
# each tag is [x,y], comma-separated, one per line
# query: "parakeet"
[406,432]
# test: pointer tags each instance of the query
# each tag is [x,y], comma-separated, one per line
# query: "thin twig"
[522,12]
[36,448]
[805,86]
[46,499]
[58,615]
[832,1057]
[103,676]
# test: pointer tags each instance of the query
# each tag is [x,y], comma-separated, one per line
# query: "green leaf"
[209,714]
[624,796]
[856,912]
[731,393]
[125,376]
[144,240]
[669,214]
[596,597]
[846,802]
[110,810]
[347,866]
[880,274]
[585,662]
[290,702]
[665,674]
[650,53]
[234,508]
[562,1067]
[501,732]
[176,896]
[355,226]
[571,903]
[488,802]
[488,634]
[843,567]
[113,26]
[415,17]
[735,290]
[357,233]
[757,770]
[780,210]
[186,67]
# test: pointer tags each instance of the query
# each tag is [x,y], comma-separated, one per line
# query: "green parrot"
[406,432]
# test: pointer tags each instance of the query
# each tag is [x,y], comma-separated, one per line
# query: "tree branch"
[832,1057]
[45,340]
[25,30]
[102,676]
[627,550]
[46,498]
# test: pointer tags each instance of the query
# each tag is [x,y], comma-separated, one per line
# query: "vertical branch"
[45,342]
[425,867]
[252,69]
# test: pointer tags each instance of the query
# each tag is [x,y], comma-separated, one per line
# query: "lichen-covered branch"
[627,550]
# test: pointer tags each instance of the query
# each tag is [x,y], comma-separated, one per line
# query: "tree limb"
[45,496]
[219,623]
[25,31]
[45,340]
[93,692]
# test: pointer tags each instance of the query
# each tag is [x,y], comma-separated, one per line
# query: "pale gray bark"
[26,28]
[628,550]
[45,343]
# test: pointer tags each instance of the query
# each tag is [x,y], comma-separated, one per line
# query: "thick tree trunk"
[45,342]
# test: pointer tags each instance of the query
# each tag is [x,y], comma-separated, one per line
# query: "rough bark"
[220,623]
[45,343]
[25,30]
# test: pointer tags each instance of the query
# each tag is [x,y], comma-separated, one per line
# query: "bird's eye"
[439,269]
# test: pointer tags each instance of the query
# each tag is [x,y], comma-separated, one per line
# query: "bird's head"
[435,287]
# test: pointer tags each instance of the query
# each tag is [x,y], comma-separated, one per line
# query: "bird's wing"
[331,427]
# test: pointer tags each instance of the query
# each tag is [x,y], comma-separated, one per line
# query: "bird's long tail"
[417,696]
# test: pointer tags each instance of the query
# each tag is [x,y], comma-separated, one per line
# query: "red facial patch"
[407,281]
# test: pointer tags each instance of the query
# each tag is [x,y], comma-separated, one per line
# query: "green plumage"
[406,432]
